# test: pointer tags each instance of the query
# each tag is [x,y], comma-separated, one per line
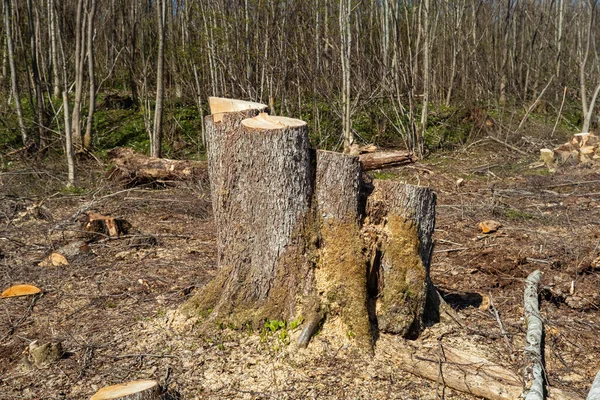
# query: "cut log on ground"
[137,390]
[132,169]
[534,369]
[291,223]
[385,159]
[462,371]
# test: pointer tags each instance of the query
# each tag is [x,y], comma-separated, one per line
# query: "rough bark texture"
[263,191]
[402,219]
[340,274]
[217,129]
[293,239]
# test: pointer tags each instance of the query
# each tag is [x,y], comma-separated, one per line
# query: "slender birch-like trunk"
[87,138]
[14,84]
[155,143]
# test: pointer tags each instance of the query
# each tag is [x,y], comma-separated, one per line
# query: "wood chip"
[20,290]
[54,260]
[489,226]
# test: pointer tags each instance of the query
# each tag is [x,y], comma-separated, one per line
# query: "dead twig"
[500,324]
[513,148]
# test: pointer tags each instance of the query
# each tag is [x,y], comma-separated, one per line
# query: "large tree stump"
[265,184]
[297,231]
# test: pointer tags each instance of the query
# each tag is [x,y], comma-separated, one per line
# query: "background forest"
[422,74]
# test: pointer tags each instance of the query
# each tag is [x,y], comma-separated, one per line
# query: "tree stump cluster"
[305,233]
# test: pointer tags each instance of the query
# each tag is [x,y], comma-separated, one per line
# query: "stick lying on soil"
[534,370]
[594,393]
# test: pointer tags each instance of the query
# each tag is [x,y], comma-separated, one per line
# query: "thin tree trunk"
[87,138]
[13,71]
[39,118]
[79,58]
[426,77]
[71,175]
[54,50]
[345,48]
[156,142]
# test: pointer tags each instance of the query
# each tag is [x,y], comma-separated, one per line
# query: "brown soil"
[114,309]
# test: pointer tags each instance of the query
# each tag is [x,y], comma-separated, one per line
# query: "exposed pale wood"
[136,390]
[387,159]
[133,168]
[20,290]
[462,371]
[219,106]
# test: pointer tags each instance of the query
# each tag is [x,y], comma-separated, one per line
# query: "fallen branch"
[513,148]
[594,393]
[461,371]
[534,371]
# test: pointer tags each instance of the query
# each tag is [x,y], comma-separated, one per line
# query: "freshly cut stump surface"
[136,390]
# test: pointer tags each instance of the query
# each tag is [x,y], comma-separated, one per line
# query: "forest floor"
[114,308]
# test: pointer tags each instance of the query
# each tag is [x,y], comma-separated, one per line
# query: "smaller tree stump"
[401,220]
[136,390]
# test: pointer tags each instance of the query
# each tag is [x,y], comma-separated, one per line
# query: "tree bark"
[266,181]
[131,168]
[87,137]
[401,220]
[340,275]
[156,139]
[227,116]
[39,99]
[388,159]
[290,235]
[79,58]
[14,84]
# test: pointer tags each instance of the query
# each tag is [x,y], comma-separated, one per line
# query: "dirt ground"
[114,308]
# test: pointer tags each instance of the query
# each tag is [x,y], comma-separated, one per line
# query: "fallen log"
[594,393]
[461,371]
[385,159]
[534,370]
[131,168]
